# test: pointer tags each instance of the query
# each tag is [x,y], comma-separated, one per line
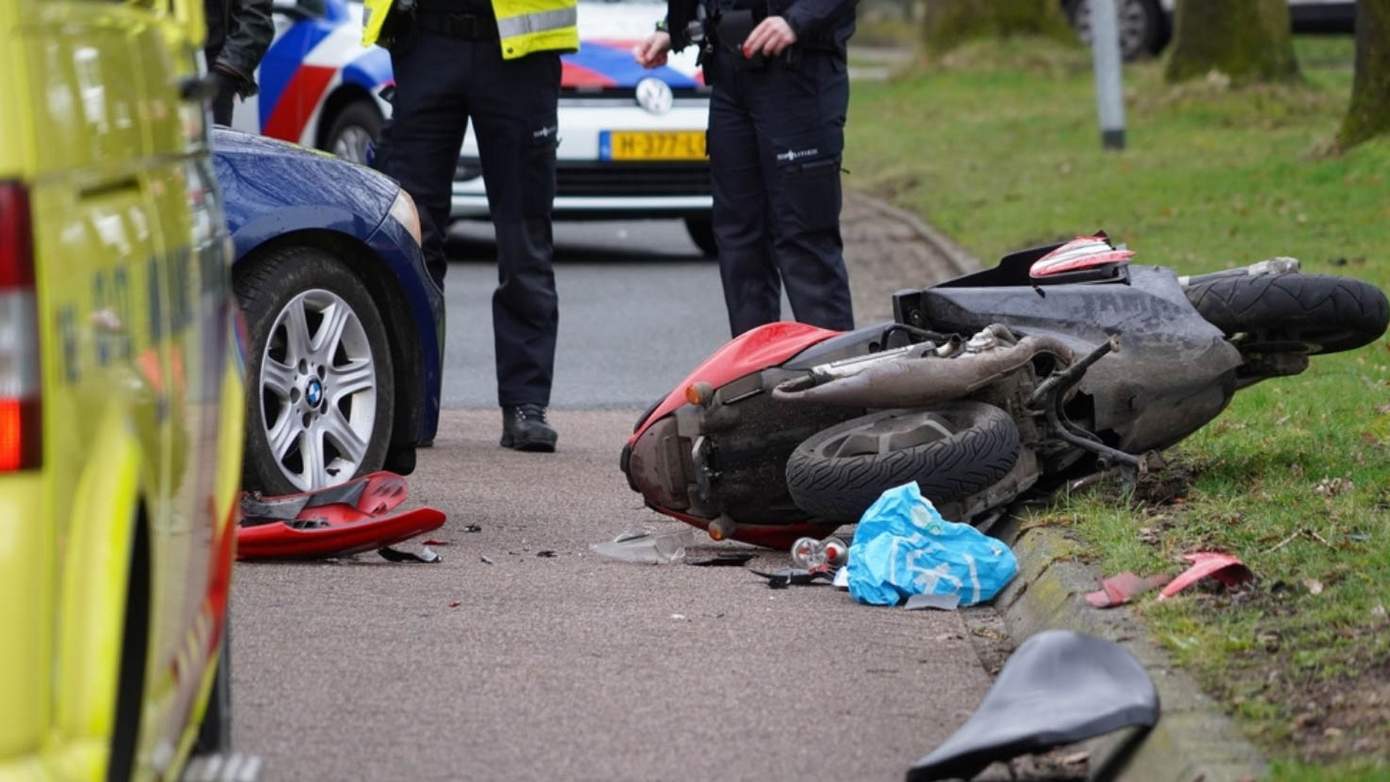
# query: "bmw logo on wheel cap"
[314,393]
[654,95]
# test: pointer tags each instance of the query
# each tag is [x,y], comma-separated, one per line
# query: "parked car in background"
[1147,25]
[346,325]
[632,141]
[120,396]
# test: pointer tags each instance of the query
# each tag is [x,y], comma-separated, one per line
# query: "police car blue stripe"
[369,71]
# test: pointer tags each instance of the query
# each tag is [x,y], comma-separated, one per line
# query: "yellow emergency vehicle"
[120,394]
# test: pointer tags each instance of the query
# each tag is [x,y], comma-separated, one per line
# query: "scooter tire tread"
[1293,302]
[840,489]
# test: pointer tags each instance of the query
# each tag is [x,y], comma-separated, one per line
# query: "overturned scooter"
[1057,362]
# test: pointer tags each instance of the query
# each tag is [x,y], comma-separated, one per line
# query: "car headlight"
[404,212]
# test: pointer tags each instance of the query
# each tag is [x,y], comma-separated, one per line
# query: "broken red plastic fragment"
[1122,588]
[1223,567]
[348,519]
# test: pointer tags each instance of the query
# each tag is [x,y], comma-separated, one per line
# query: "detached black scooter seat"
[1058,688]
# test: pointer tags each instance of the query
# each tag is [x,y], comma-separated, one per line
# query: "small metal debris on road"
[723,559]
[903,547]
[678,617]
[455,604]
[472,528]
[1121,588]
[1224,568]
[425,554]
[781,579]
[1058,688]
[546,554]
[485,560]
[937,602]
[646,548]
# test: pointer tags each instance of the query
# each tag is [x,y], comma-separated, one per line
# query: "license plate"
[652,145]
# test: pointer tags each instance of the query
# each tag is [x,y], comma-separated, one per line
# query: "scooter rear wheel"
[952,450]
[1311,313]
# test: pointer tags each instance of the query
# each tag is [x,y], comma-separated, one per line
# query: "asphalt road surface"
[506,662]
[633,321]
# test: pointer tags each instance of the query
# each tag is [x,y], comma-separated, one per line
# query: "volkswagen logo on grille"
[654,95]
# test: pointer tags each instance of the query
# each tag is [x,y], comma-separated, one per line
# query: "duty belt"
[468,27]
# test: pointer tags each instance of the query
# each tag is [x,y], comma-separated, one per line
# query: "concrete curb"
[1194,739]
[961,261]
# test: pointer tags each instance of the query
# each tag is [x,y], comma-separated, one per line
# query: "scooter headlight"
[404,212]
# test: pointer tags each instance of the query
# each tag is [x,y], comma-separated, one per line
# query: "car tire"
[355,129]
[1143,26]
[329,406]
[701,230]
[1313,313]
[952,451]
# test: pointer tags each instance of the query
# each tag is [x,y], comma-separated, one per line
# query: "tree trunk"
[1369,114]
[1248,40]
[952,22]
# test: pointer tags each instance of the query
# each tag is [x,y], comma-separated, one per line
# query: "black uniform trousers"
[442,82]
[775,138]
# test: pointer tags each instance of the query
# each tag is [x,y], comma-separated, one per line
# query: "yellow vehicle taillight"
[21,438]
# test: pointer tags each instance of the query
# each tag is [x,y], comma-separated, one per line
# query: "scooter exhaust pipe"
[921,374]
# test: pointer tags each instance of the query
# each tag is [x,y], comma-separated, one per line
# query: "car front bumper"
[589,186]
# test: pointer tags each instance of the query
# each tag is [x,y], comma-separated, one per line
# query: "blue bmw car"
[346,326]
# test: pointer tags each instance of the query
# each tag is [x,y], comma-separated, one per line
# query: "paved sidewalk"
[571,667]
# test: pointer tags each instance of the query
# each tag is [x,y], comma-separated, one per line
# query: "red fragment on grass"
[1122,588]
[1223,567]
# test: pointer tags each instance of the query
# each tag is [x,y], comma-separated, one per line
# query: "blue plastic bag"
[903,547]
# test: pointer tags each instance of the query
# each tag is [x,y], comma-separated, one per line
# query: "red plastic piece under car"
[338,521]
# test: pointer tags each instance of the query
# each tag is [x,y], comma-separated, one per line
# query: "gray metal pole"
[1105,46]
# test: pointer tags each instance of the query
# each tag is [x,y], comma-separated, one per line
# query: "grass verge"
[998,147]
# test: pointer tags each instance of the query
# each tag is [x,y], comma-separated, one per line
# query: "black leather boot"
[524,428]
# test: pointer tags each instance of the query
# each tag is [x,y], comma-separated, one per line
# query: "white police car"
[632,141]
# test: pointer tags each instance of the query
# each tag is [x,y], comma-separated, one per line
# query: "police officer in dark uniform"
[239,32]
[496,63]
[776,132]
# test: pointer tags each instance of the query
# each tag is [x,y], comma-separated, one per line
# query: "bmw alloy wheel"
[318,390]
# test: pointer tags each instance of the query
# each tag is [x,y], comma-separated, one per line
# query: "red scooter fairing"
[347,519]
[752,351]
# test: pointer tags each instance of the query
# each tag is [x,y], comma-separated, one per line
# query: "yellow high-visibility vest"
[524,26]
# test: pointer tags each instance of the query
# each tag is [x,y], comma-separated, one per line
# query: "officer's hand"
[771,37]
[652,52]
